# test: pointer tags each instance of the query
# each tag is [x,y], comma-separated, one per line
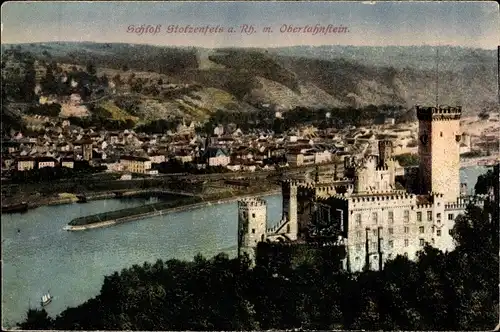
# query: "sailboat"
[46,299]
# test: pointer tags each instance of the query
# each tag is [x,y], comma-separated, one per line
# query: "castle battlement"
[455,206]
[436,195]
[426,113]
[342,197]
[295,183]
[425,206]
[382,196]
[272,230]
[382,168]
[253,201]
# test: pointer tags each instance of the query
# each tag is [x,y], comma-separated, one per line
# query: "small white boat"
[46,299]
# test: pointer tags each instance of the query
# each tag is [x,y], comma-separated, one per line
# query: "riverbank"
[214,201]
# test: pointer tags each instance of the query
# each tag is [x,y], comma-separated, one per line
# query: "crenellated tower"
[439,150]
[252,219]
[384,152]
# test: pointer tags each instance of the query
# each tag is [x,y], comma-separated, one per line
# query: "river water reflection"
[38,255]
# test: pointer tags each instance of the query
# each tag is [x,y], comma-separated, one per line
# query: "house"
[233,167]
[151,172]
[297,158]
[184,157]
[219,130]
[42,162]
[67,162]
[25,163]
[134,164]
[216,157]
[112,165]
[237,133]
[157,158]
[249,167]
[322,157]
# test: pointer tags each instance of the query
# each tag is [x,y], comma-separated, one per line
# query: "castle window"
[438,232]
[374,245]
[391,230]
[407,230]
[449,231]
[288,228]
[391,217]
[391,244]
[358,219]
[253,230]
[419,216]
[438,216]
[358,234]
[450,216]
[407,242]
[374,232]
[253,215]
[374,217]
[421,229]
[406,216]
[441,134]
[429,215]
[422,242]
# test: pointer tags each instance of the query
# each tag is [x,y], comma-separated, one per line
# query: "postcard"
[250,165]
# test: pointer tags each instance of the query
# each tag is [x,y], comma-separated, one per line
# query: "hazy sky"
[469,24]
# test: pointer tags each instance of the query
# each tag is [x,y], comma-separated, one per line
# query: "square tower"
[384,152]
[439,150]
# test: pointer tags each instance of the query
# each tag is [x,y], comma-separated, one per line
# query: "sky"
[467,24]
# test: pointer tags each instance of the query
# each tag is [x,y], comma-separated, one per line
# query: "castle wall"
[404,227]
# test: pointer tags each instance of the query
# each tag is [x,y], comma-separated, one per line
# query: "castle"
[368,212]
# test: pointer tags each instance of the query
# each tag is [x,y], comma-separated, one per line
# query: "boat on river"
[46,299]
[13,208]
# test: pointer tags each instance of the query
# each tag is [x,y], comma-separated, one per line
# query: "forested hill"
[243,80]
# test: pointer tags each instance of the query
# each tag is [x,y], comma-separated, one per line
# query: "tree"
[91,69]
[36,320]
[29,83]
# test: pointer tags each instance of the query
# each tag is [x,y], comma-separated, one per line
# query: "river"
[38,255]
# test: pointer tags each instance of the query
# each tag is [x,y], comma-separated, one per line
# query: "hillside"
[193,83]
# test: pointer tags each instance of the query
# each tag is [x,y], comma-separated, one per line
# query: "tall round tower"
[439,150]
[252,220]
